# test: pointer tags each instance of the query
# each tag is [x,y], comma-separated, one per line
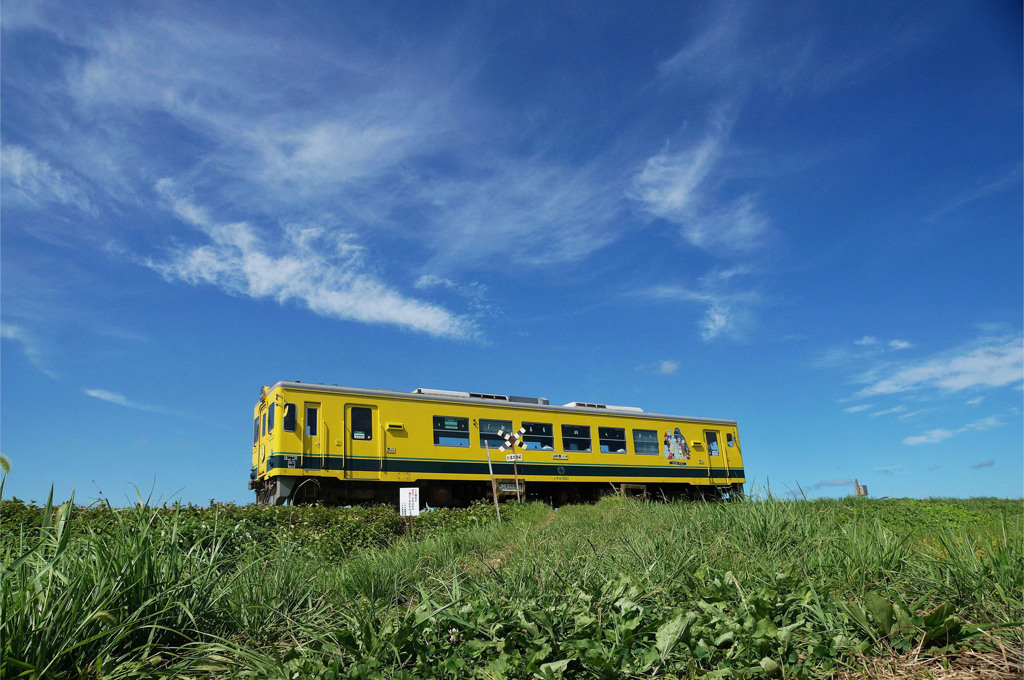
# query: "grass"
[761,588]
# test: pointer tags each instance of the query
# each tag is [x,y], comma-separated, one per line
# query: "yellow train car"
[320,443]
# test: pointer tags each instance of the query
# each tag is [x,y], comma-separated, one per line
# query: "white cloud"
[521,213]
[30,179]
[929,437]
[985,424]
[120,400]
[321,268]
[726,314]
[1009,180]
[677,187]
[865,348]
[857,409]
[29,345]
[975,401]
[889,411]
[427,281]
[991,363]
[939,435]
[668,367]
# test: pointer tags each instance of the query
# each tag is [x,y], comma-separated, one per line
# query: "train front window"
[270,417]
[539,436]
[612,439]
[288,419]
[489,432]
[645,442]
[576,438]
[451,431]
[255,430]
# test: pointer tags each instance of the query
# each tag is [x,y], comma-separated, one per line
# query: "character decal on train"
[676,446]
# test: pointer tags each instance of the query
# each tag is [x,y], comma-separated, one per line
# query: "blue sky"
[801,216]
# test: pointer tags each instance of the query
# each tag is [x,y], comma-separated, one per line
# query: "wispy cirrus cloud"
[30,345]
[1009,180]
[321,268]
[989,363]
[528,212]
[863,349]
[666,367]
[727,312]
[121,400]
[32,180]
[941,434]
[889,411]
[681,188]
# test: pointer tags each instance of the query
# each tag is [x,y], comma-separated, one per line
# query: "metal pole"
[494,484]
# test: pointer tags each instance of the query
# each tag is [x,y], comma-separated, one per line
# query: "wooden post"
[515,473]
[494,484]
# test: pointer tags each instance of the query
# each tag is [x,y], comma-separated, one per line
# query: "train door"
[712,442]
[362,438]
[312,436]
[259,440]
[730,451]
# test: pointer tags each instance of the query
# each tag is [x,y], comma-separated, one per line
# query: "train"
[315,443]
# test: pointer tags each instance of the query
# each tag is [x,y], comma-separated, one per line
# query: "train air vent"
[529,400]
[608,407]
[440,393]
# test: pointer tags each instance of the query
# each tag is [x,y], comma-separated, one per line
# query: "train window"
[270,417]
[729,439]
[712,440]
[450,431]
[539,436]
[489,432]
[288,419]
[312,420]
[576,438]
[361,422]
[264,423]
[612,439]
[645,442]
[255,430]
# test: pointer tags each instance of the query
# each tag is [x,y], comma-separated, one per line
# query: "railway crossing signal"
[512,440]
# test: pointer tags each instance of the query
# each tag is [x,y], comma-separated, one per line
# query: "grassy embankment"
[767,588]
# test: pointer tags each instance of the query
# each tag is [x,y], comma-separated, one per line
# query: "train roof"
[450,396]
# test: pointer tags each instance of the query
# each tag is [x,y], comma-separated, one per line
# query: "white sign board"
[409,501]
[513,457]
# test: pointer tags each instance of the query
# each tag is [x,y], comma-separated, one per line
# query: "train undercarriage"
[281,490]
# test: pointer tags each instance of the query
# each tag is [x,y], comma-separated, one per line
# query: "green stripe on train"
[462,467]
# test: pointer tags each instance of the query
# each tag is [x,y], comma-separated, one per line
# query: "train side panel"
[335,446]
